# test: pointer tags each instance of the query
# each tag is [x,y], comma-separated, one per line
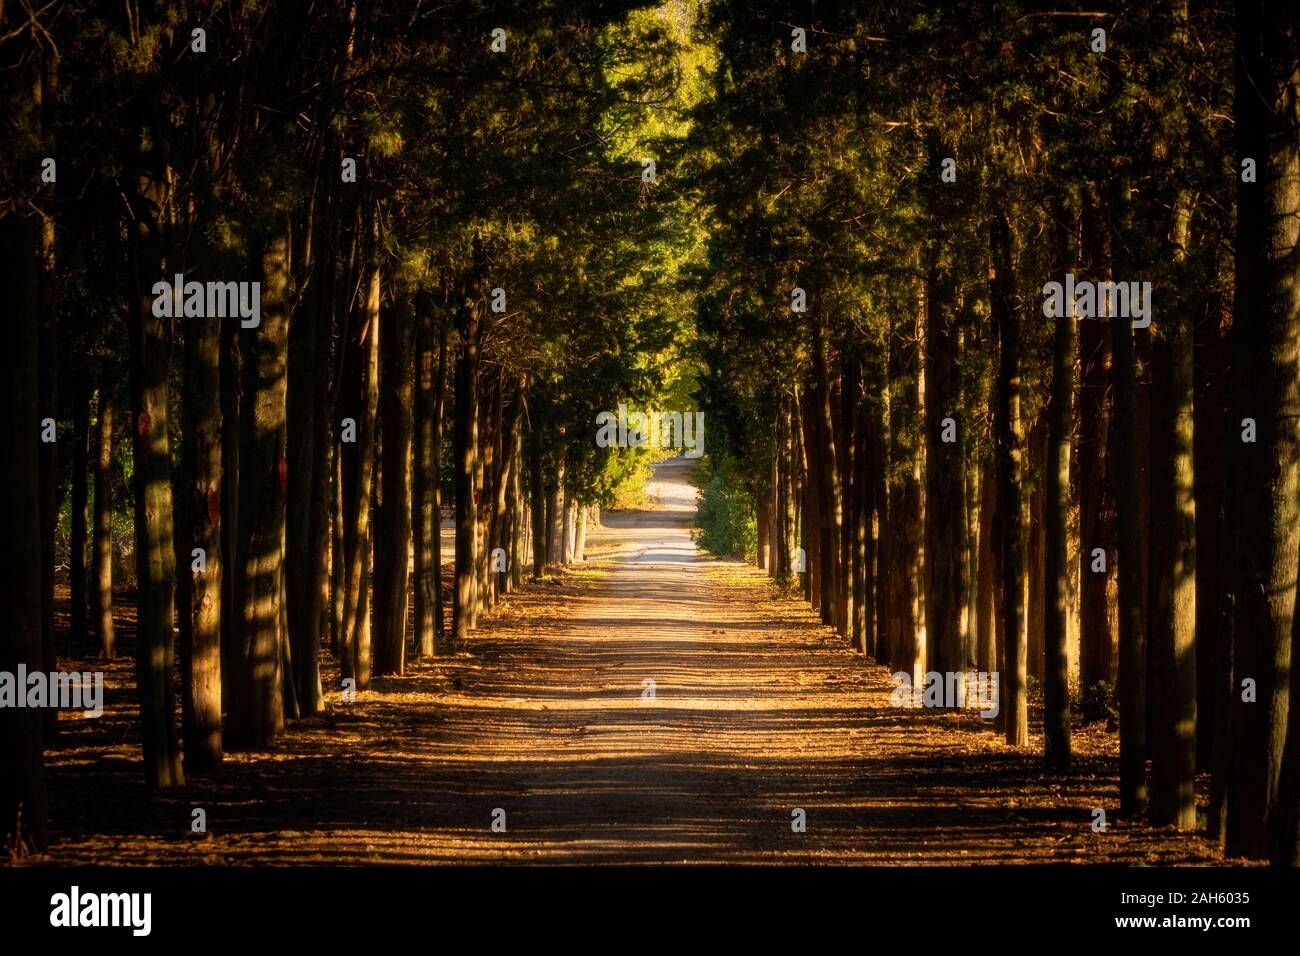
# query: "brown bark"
[1096,507]
[537,500]
[101,589]
[1056,587]
[1132,632]
[985,605]
[1264,490]
[200,604]
[1035,546]
[359,477]
[257,709]
[945,511]
[466,440]
[1009,443]
[828,492]
[393,521]
[426,520]
[1173,559]
[155,553]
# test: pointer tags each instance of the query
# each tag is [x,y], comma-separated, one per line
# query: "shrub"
[726,526]
[1099,703]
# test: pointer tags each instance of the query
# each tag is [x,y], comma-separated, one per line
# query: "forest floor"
[757,711]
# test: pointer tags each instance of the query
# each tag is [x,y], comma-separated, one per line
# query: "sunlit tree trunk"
[101,572]
[1056,683]
[466,440]
[200,611]
[358,490]
[828,502]
[258,705]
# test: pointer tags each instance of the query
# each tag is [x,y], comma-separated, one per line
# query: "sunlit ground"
[755,711]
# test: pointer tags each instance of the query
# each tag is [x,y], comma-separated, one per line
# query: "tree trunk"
[231,369]
[200,612]
[1035,547]
[441,644]
[777,564]
[1173,563]
[484,468]
[580,536]
[863,502]
[1096,516]
[425,524]
[258,704]
[393,527]
[310,410]
[46,89]
[1009,451]
[843,405]
[22,769]
[829,512]
[985,609]
[812,502]
[537,500]
[885,506]
[515,516]
[465,439]
[945,510]
[1173,583]
[101,590]
[155,545]
[566,527]
[80,474]
[358,488]
[1056,480]
[509,408]
[1132,633]
[1265,520]
[1211,435]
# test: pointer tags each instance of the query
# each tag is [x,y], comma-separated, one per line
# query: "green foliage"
[636,472]
[1101,702]
[725,520]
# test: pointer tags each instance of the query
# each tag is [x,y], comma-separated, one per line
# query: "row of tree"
[974,475]
[461,260]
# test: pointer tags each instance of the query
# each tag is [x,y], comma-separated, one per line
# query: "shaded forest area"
[981,471]
[474,227]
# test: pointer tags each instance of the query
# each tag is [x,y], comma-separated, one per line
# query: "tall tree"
[1265,516]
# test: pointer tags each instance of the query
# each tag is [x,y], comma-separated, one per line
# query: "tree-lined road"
[757,711]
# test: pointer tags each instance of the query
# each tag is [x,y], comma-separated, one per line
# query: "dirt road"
[654,706]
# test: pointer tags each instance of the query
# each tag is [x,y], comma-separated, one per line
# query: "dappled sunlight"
[757,710]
